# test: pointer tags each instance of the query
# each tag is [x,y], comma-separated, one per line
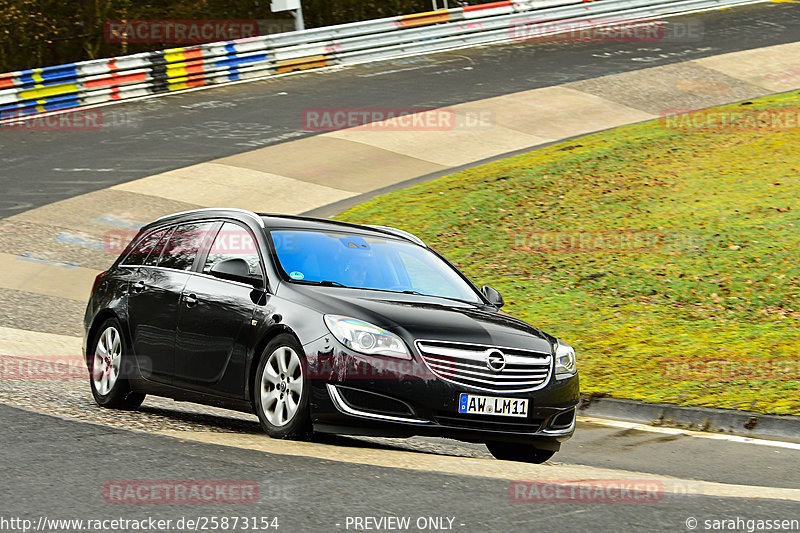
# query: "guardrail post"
[290,5]
[298,19]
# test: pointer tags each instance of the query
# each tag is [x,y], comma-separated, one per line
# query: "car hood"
[423,317]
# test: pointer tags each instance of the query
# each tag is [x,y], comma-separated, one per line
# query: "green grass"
[668,257]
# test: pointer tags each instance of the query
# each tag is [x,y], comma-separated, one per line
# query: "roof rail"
[385,229]
[400,233]
[251,214]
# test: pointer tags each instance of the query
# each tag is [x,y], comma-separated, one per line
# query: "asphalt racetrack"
[147,137]
[60,452]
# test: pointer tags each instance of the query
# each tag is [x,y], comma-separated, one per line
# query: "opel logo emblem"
[495,360]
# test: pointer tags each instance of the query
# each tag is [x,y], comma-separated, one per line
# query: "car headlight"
[365,337]
[566,365]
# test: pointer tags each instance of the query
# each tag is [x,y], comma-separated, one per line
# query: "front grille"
[466,364]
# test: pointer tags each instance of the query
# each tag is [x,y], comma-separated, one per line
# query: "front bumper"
[363,395]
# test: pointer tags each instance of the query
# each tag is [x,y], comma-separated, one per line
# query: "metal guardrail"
[93,82]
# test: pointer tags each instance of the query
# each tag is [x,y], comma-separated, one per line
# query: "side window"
[233,241]
[183,245]
[158,249]
[144,248]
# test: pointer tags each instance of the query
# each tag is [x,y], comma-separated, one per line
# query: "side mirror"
[493,296]
[236,269]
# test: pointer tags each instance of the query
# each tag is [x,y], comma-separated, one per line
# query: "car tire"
[281,390]
[107,369]
[514,451]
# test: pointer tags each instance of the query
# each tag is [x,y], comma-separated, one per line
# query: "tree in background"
[328,12]
[37,33]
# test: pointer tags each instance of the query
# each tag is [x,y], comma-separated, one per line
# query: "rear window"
[184,243]
[146,246]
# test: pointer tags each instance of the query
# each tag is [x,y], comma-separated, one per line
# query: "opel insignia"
[317,325]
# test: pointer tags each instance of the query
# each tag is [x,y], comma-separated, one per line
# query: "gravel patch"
[72,399]
[670,87]
[37,312]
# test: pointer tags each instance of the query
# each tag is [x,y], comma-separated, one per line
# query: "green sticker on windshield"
[297,275]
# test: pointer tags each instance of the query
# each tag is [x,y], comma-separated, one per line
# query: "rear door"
[153,299]
[215,318]
[149,331]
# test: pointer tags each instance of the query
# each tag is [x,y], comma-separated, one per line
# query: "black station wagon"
[316,325]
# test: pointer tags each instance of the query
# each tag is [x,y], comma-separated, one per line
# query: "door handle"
[190,300]
[139,286]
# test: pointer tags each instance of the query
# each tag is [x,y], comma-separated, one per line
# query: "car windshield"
[367,262]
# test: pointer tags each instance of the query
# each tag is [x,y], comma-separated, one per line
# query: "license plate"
[492,405]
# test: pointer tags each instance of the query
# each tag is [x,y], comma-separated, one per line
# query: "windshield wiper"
[330,283]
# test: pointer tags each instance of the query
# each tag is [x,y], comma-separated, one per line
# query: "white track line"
[677,431]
